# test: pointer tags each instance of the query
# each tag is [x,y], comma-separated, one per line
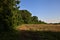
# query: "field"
[39,31]
[33,32]
[40,27]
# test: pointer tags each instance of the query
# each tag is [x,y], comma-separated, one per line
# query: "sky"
[46,10]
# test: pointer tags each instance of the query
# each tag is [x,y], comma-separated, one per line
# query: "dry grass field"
[39,31]
[33,32]
[40,27]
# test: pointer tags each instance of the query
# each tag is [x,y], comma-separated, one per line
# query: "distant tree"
[34,19]
[26,16]
[20,20]
[41,22]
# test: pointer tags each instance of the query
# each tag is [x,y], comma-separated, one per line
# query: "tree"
[34,19]
[41,22]
[20,20]
[26,16]
[8,11]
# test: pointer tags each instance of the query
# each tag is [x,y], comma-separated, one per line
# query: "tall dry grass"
[39,27]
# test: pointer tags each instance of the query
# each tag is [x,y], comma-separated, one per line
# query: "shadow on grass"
[30,35]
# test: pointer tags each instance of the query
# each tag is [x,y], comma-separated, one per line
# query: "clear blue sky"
[46,10]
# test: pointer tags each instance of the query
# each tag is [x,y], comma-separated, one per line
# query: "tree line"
[28,18]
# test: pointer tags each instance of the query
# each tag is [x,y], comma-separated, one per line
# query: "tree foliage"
[28,18]
[8,14]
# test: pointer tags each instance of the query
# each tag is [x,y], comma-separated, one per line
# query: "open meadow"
[39,31]
[40,27]
[33,32]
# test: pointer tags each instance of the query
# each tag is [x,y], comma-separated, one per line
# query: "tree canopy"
[28,18]
[8,11]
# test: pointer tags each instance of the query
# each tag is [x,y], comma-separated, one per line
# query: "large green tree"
[8,14]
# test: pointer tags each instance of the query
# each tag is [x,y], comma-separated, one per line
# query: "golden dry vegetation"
[40,27]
